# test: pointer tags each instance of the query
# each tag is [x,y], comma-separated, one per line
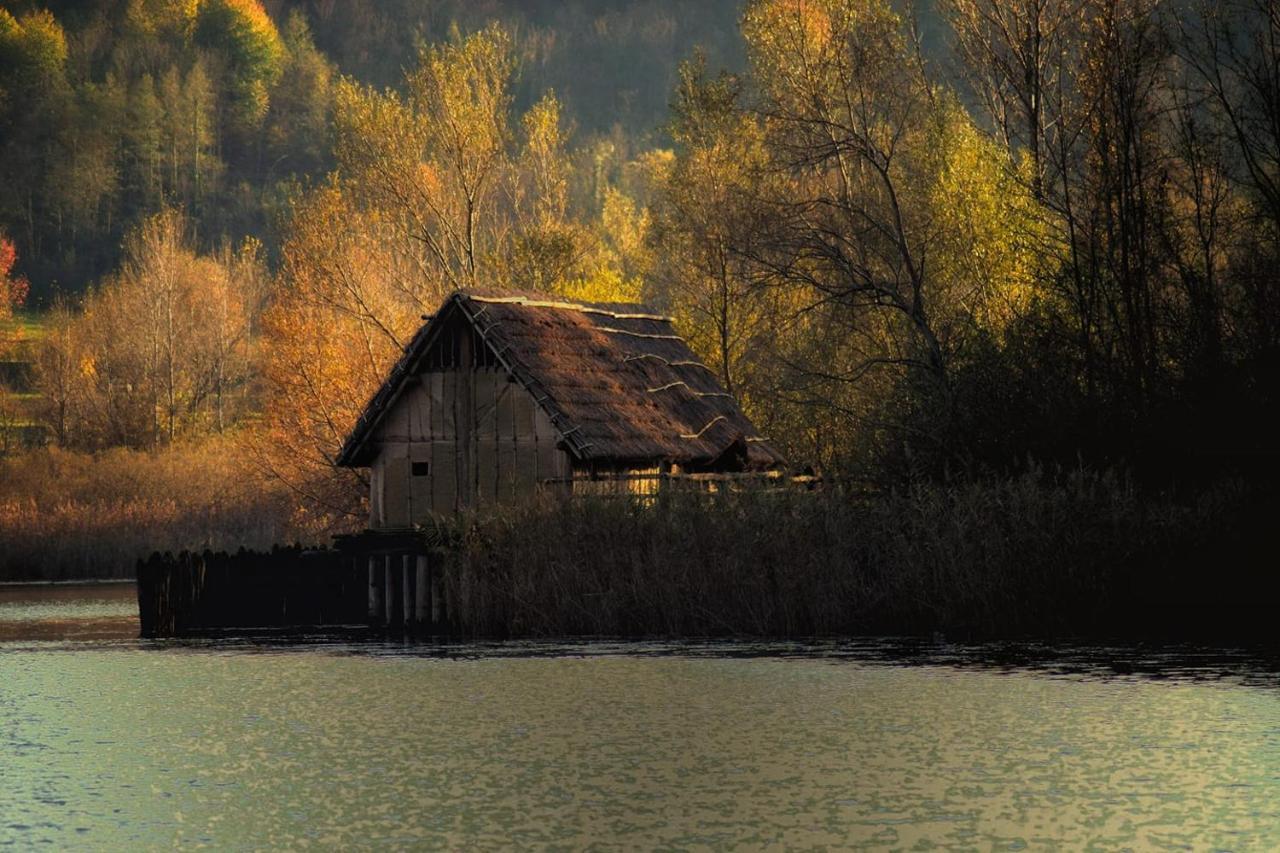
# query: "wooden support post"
[375,591]
[437,595]
[406,585]
[422,591]
[389,583]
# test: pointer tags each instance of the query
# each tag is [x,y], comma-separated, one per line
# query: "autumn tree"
[332,329]
[13,287]
[840,99]
[157,350]
[1017,57]
[445,166]
[59,371]
[704,217]
[1230,125]
[438,188]
[878,189]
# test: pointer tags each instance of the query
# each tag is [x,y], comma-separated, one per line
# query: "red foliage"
[13,291]
[8,254]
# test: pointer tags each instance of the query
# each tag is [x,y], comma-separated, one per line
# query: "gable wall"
[482,439]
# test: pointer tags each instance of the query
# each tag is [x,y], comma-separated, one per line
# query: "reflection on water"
[234,744]
[104,611]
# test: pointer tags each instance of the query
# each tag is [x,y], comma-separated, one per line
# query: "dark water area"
[109,742]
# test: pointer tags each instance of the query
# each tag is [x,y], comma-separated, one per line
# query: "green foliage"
[299,124]
[245,36]
[177,106]
[219,108]
[33,48]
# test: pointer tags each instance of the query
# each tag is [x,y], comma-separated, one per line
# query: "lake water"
[107,742]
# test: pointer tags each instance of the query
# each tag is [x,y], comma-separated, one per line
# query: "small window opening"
[421,469]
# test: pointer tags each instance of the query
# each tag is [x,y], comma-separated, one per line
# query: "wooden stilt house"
[500,395]
[497,397]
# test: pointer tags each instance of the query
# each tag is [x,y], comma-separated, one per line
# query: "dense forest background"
[114,109]
[919,245]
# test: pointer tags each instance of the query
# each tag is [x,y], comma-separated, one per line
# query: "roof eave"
[355,451]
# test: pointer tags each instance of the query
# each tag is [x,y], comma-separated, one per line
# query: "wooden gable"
[462,432]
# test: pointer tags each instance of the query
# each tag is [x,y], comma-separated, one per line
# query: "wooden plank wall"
[481,435]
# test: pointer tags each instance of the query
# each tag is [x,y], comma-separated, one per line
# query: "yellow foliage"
[607,285]
[35,40]
[804,49]
[987,222]
[626,226]
[544,159]
[341,315]
[251,11]
[156,17]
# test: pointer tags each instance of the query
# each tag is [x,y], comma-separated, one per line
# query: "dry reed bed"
[1031,555]
[67,515]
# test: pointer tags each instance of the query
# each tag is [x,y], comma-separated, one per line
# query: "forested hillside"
[113,109]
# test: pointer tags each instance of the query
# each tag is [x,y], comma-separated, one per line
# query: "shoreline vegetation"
[70,582]
[1038,555]
[66,515]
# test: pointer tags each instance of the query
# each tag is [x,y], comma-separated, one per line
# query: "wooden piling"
[395,585]
[422,592]
[191,594]
[407,596]
[437,596]
[389,582]
[375,591]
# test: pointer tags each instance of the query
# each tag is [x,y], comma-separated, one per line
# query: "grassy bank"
[20,426]
[67,515]
[1036,555]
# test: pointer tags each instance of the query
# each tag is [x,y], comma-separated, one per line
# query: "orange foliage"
[337,324]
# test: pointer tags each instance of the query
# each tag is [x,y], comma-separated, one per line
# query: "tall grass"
[1032,555]
[66,515]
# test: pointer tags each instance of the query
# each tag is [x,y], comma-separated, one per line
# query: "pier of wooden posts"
[379,583]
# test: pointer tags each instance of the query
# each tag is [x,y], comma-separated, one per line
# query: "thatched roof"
[615,379]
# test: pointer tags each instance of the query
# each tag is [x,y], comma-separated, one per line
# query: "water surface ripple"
[118,744]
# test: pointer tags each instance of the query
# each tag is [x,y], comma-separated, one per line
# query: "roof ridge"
[568,306]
